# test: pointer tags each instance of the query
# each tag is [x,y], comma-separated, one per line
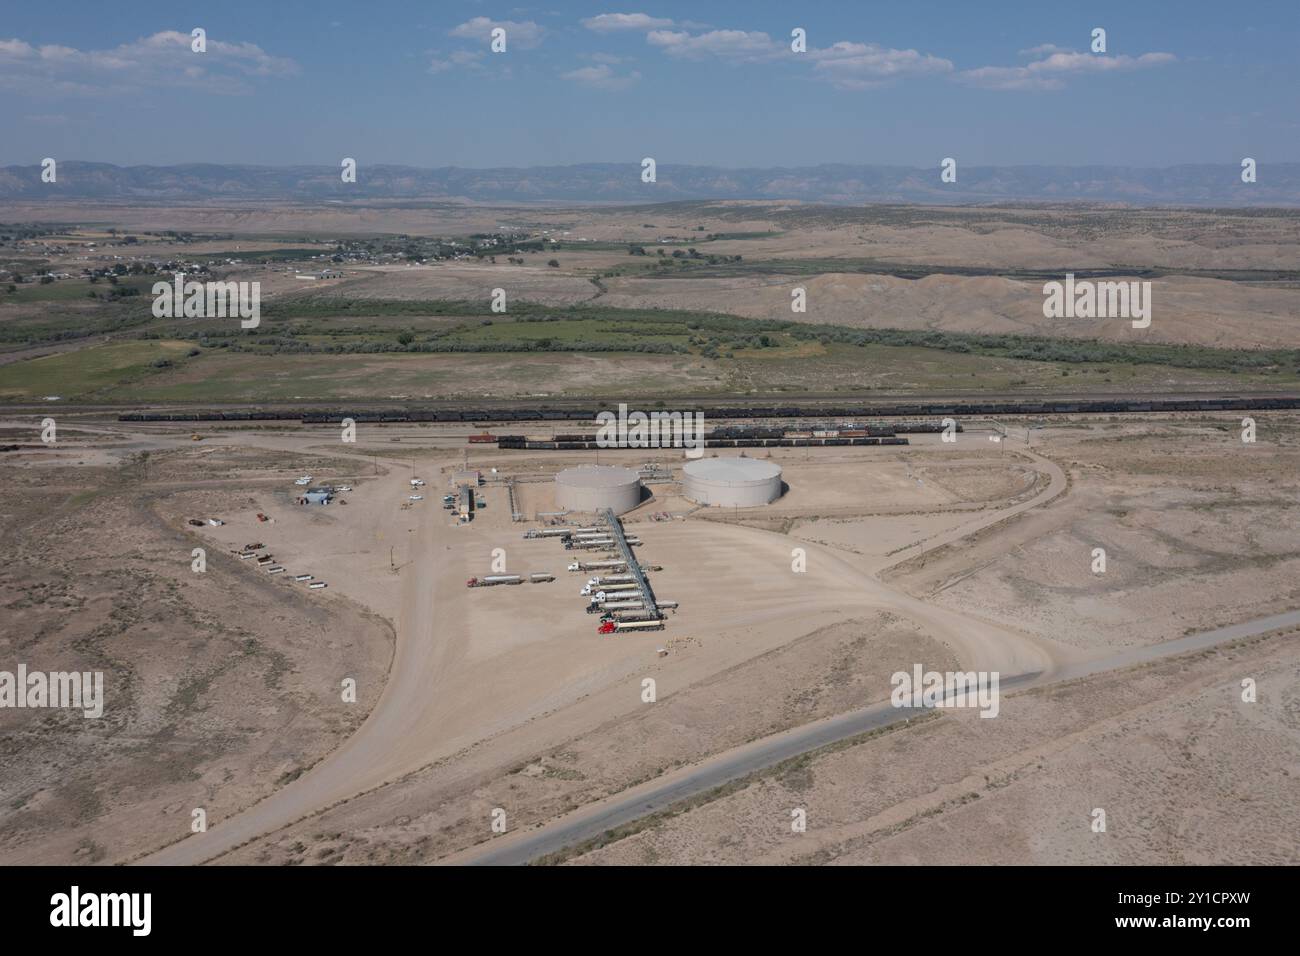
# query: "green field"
[325,348]
[126,372]
[88,373]
[65,290]
[262,255]
[702,268]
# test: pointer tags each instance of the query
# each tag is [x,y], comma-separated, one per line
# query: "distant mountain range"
[1201,185]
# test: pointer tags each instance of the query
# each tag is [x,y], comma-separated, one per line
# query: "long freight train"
[533,444]
[724,412]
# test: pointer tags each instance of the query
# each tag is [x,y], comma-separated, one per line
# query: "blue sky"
[703,83]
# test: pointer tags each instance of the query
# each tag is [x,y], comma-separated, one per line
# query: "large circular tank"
[593,487]
[732,482]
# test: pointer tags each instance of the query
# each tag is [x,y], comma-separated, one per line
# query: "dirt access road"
[408,727]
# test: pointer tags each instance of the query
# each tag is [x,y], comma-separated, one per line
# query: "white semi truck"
[630,605]
[609,589]
[597,565]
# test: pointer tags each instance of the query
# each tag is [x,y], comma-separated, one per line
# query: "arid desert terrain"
[396,715]
[224,686]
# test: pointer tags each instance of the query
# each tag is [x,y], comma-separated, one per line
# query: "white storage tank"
[731,482]
[589,488]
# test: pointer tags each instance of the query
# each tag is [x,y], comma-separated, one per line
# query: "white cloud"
[601,77]
[468,59]
[163,59]
[1043,49]
[1051,72]
[523,34]
[857,66]
[736,45]
[849,66]
[16,49]
[610,22]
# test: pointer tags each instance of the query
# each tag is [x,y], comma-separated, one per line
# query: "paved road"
[394,738]
[589,822]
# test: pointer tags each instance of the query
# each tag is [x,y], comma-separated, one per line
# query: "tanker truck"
[612,579]
[608,588]
[596,607]
[621,627]
[598,565]
[491,579]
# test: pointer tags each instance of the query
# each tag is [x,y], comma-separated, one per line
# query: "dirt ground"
[1185,771]
[219,687]
[507,698]
[1185,310]
[836,248]
[1199,530]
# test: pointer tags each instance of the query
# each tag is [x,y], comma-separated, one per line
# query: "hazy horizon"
[588,183]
